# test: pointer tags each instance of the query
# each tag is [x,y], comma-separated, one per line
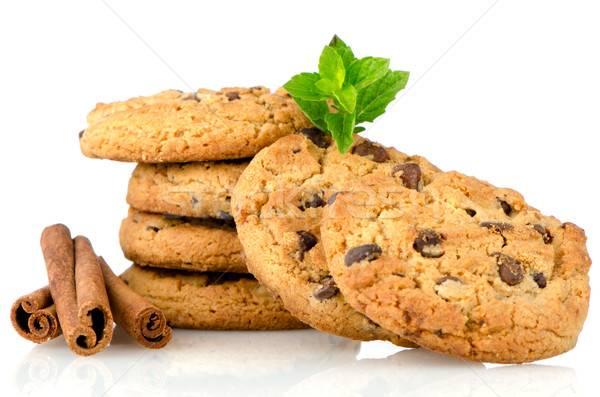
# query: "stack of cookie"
[191,149]
[375,244]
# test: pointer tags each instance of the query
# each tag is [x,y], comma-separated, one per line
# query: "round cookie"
[199,189]
[277,206]
[206,300]
[181,243]
[460,267]
[172,126]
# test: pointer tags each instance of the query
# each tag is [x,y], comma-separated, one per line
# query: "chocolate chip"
[471,212]
[505,207]
[318,137]
[446,278]
[509,269]
[371,151]
[194,200]
[223,215]
[232,96]
[411,175]
[497,226]
[332,198]
[296,150]
[153,228]
[171,216]
[429,244]
[540,279]
[438,332]
[81,134]
[544,232]
[314,202]
[367,252]
[328,290]
[306,241]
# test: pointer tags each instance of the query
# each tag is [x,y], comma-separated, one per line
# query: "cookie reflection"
[420,372]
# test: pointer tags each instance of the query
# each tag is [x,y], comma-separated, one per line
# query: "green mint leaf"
[303,86]
[331,66]
[315,111]
[346,98]
[346,91]
[336,42]
[374,98]
[343,50]
[326,86]
[365,71]
[341,126]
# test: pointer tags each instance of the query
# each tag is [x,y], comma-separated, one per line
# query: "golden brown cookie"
[181,243]
[277,206]
[199,189]
[172,126]
[459,267]
[210,300]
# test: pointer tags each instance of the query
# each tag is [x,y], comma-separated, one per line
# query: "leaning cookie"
[459,267]
[198,189]
[210,300]
[277,206]
[181,243]
[178,127]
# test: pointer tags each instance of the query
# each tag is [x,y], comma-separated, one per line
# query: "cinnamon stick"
[139,318]
[34,316]
[77,289]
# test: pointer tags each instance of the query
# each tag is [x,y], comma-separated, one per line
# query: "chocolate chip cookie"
[277,205]
[168,241]
[459,266]
[173,126]
[198,189]
[210,300]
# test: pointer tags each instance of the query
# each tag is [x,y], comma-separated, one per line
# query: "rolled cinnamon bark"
[82,306]
[139,318]
[34,316]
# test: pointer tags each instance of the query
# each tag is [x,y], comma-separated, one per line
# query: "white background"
[507,91]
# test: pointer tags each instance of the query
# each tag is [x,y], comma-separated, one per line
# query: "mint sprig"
[346,91]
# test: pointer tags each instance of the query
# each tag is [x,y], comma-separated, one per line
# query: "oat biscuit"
[210,300]
[277,206]
[172,126]
[459,267]
[198,189]
[181,243]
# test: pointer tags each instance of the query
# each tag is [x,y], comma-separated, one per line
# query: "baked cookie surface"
[181,243]
[277,206]
[459,267]
[198,189]
[206,300]
[172,126]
